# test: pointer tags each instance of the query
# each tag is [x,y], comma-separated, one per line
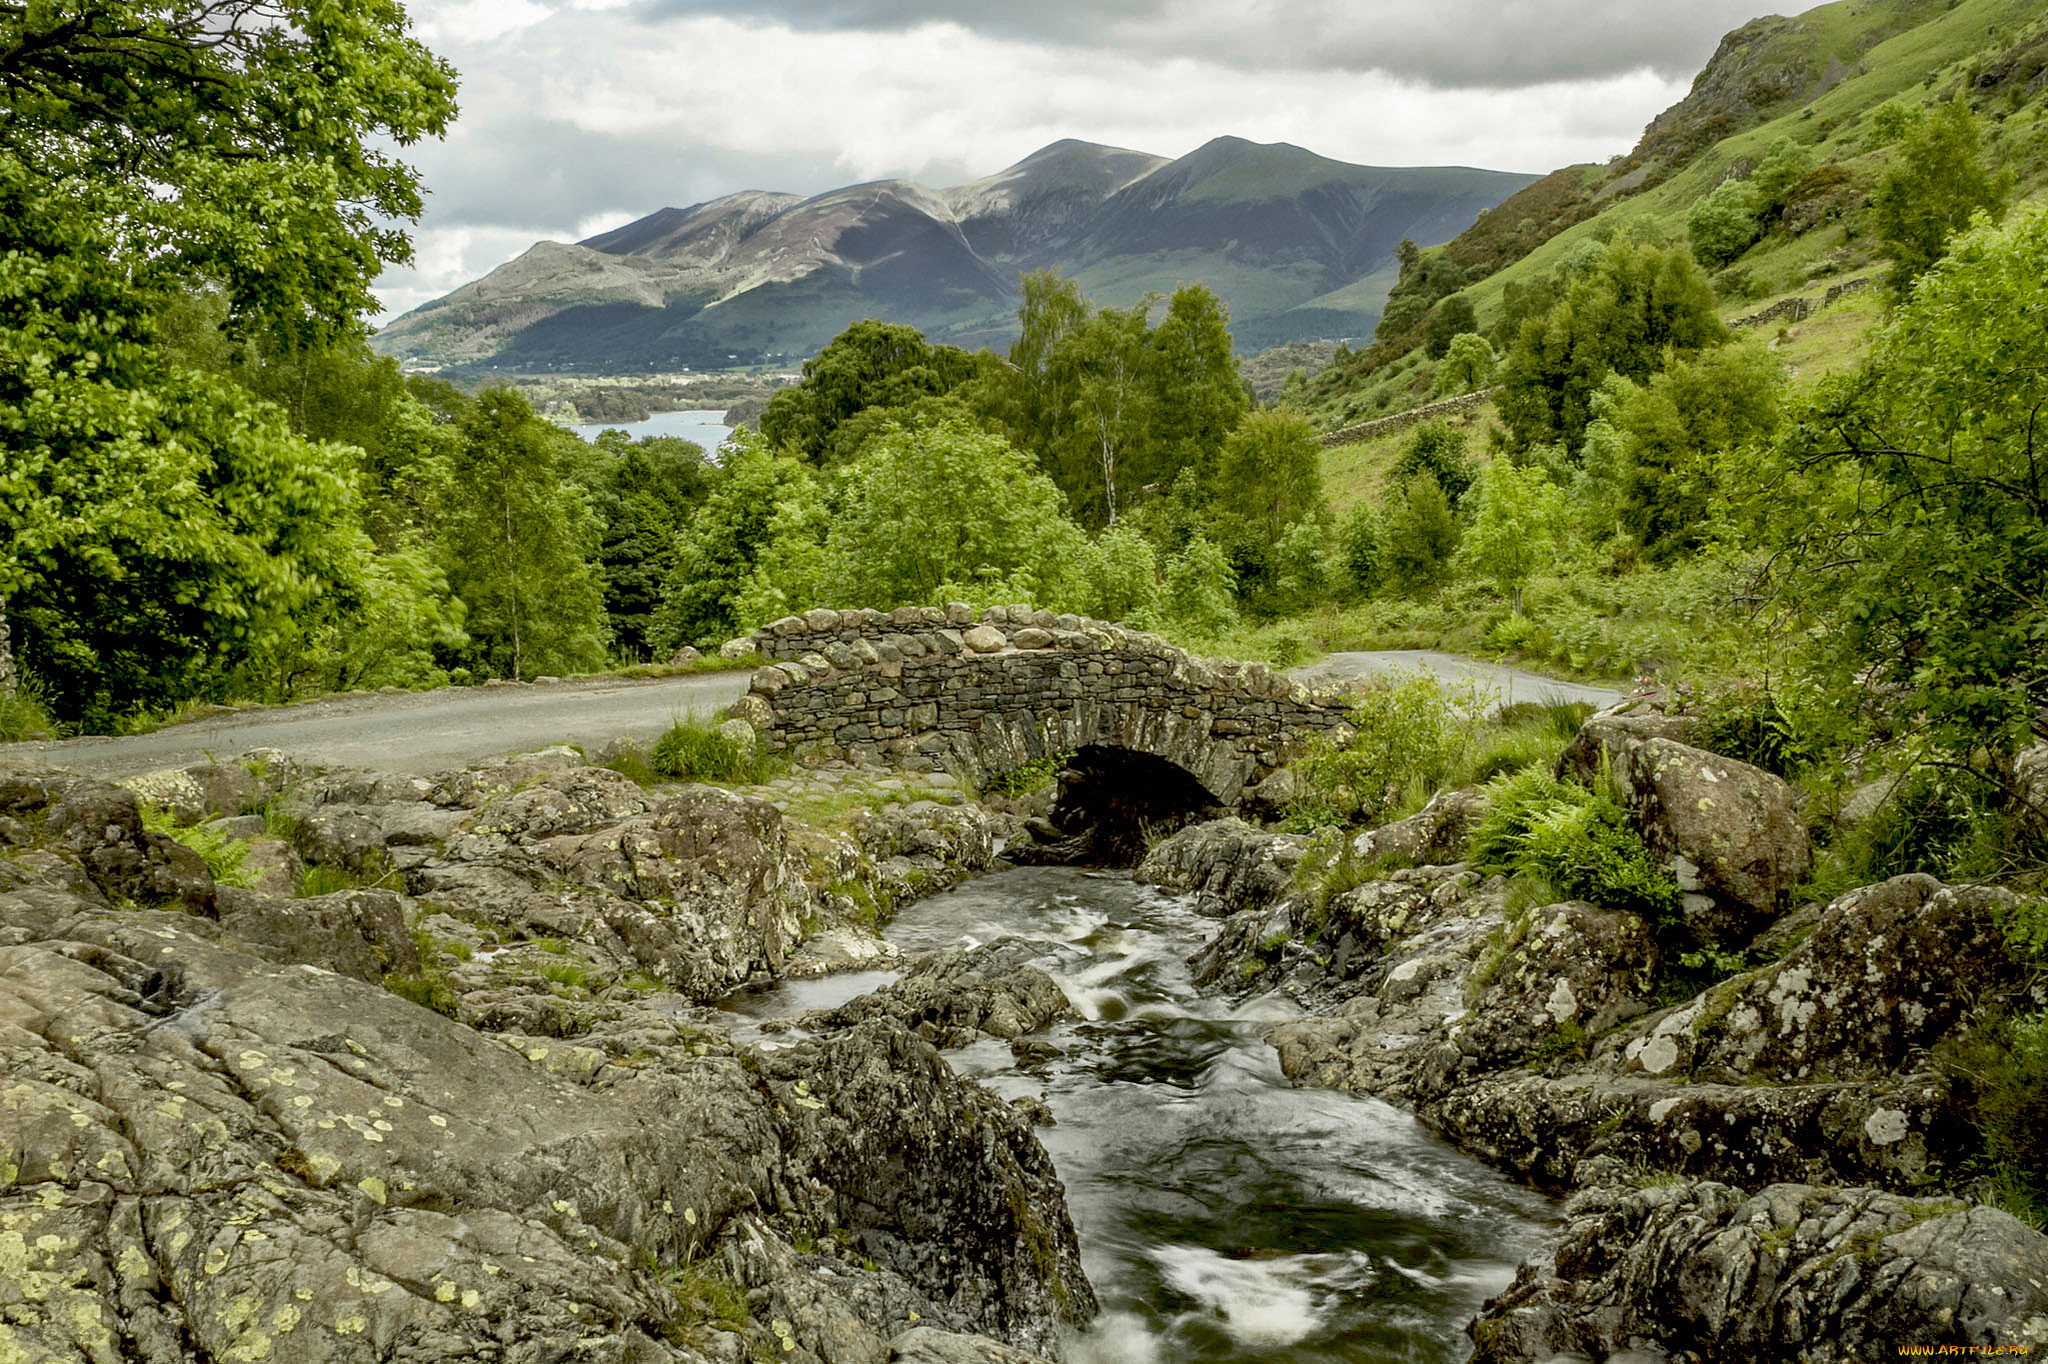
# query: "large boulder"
[1226,864]
[930,1176]
[1889,970]
[1729,832]
[1700,1272]
[358,933]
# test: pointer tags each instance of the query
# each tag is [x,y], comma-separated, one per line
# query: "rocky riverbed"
[452,1079]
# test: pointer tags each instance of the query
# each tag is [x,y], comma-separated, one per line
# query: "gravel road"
[436,730]
[412,732]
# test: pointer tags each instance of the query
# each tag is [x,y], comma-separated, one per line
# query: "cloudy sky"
[580,115]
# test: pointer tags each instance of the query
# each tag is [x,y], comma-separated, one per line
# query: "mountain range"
[1298,246]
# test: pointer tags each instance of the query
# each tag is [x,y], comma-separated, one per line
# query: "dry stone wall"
[947,689]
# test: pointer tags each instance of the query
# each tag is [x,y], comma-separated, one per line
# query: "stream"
[1224,1215]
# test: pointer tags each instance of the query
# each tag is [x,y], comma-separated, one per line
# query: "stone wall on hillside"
[1414,416]
[947,689]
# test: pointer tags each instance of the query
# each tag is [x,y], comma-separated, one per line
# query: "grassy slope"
[1923,64]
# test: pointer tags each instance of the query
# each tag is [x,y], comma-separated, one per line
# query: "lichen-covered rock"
[1435,834]
[98,826]
[930,1176]
[1888,970]
[358,933]
[202,791]
[1570,974]
[1564,1131]
[1729,832]
[958,996]
[574,801]
[1226,864]
[1703,1272]
[1606,733]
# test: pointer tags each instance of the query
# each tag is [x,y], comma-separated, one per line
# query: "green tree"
[1634,305]
[713,579]
[1451,318]
[1110,404]
[1117,578]
[1723,224]
[1422,532]
[1199,599]
[147,151]
[1438,450]
[870,365]
[1517,526]
[518,540]
[1916,493]
[1467,365]
[1198,397]
[1362,550]
[1271,475]
[931,511]
[643,493]
[1939,179]
[1679,429]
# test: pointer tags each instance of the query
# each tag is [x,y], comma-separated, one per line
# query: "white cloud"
[580,115]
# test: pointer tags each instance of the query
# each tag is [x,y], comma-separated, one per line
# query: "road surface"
[436,730]
[421,732]
[1510,685]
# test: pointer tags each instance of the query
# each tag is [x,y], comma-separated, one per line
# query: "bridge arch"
[982,694]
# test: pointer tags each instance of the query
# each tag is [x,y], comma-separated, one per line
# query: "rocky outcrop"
[1705,1272]
[959,996]
[231,1141]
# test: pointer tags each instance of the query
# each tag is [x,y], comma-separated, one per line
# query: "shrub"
[695,751]
[222,853]
[1580,842]
[1410,732]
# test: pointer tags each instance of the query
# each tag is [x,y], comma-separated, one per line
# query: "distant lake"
[707,428]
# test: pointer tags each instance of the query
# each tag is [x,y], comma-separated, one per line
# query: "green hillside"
[1818,82]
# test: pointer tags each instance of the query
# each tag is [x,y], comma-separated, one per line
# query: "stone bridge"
[982,695]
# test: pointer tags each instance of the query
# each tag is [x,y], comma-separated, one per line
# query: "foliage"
[721,547]
[1623,315]
[1516,527]
[2002,1064]
[929,509]
[1922,529]
[693,751]
[23,715]
[1452,317]
[1723,224]
[1035,775]
[160,526]
[517,540]
[223,853]
[1111,403]
[428,988]
[1436,449]
[869,365]
[1361,551]
[642,493]
[1422,532]
[1198,592]
[1679,429]
[1937,182]
[1467,365]
[1408,733]
[1579,842]
[1270,476]
[1116,577]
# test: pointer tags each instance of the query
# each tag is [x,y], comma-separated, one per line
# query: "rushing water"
[1224,1215]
